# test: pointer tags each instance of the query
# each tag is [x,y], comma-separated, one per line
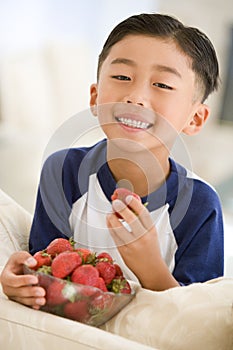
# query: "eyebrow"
[124,61]
[162,68]
[158,67]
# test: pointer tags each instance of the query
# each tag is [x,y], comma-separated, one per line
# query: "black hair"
[191,41]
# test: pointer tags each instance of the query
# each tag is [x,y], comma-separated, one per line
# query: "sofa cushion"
[199,316]
[15,225]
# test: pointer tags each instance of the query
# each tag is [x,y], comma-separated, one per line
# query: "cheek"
[104,97]
[105,114]
[173,119]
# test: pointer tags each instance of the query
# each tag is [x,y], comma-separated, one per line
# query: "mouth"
[132,123]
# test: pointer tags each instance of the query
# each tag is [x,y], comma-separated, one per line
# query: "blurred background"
[48,59]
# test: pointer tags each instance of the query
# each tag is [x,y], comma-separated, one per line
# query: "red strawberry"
[58,246]
[55,293]
[125,289]
[87,256]
[77,311]
[65,263]
[118,270]
[44,280]
[106,270]
[101,284]
[122,193]
[104,256]
[85,274]
[101,302]
[86,291]
[42,258]
[120,285]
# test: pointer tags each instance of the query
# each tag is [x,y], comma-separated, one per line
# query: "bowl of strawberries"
[80,284]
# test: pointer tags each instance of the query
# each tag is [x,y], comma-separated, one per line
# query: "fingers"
[12,274]
[28,295]
[136,221]
[141,211]
[17,260]
[120,234]
[19,287]
[11,280]
[134,213]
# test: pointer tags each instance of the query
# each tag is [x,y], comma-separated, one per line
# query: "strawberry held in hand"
[121,194]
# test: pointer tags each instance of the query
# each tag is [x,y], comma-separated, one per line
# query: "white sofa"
[197,317]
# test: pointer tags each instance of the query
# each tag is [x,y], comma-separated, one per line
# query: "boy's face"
[155,75]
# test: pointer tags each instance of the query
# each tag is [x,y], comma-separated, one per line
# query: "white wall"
[48,58]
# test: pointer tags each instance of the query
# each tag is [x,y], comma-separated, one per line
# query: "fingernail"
[39,293]
[31,261]
[118,205]
[128,199]
[32,280]
[40,301]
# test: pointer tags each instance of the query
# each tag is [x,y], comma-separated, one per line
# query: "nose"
[137,95]
[137,103]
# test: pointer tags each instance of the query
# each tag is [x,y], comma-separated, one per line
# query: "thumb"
[22,257]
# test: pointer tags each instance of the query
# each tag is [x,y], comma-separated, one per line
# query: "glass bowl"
[78,302]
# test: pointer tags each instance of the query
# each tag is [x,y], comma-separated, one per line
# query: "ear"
[93,98]
[198,120]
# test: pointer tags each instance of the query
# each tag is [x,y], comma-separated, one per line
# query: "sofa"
[195,317]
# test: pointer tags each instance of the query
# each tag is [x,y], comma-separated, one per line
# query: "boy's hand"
[19,287]
[139,248]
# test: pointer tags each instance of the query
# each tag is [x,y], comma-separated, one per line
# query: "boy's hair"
[191,41]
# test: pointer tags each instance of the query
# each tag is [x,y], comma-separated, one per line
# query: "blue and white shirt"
[75,195]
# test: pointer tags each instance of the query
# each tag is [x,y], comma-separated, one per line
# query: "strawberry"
[87,256]
[59,292]
[44,280]
[42,258]
[104,256]
[58,246]
[106,270]
[118,270]
[85,274]
[101,284]
[125,289]
[65,263]
[77,311]
[86,291]
[121,194]
[101,302]
[120,285]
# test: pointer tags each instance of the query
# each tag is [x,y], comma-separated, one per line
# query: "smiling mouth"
[132,123]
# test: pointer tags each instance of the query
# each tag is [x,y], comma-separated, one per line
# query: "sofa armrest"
[15,223]
[25,328]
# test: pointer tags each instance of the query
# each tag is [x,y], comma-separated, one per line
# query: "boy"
[154,75]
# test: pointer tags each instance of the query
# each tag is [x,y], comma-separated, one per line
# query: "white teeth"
[134,123]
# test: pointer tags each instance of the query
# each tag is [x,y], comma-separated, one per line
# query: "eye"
[121,77]
[163,86]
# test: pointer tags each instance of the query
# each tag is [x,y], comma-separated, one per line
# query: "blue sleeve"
[64,179]
[53,206]
[200,254]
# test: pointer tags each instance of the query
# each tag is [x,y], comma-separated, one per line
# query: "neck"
[140,172]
